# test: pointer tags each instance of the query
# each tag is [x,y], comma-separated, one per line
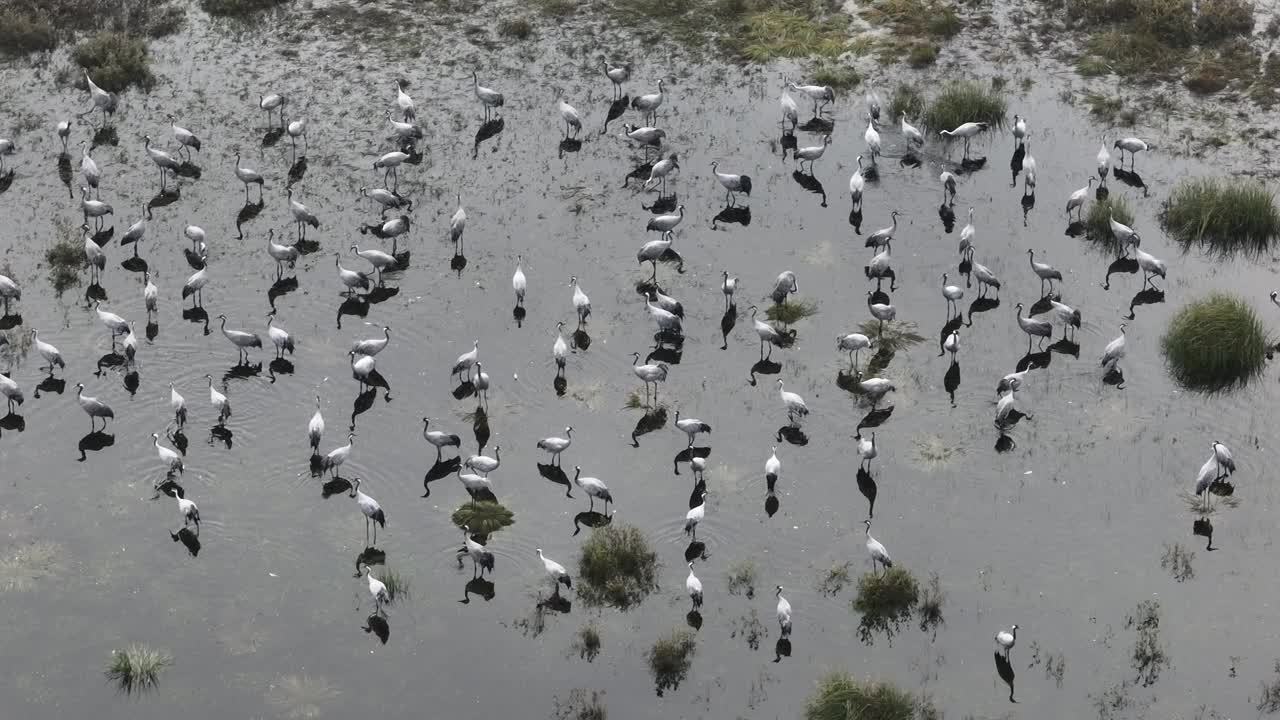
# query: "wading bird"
[879,555]
[593,487]
[691,427]
[439,440]
[370,508]
[556,572]
[557,445]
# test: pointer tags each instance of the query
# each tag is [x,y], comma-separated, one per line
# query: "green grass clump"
[1103,107]
[65,257]
[742,578]
[884,600]
[137,668]
[1129,54]
[483,517]
[115,61]
[519,28]
[922,55]
[238,8]
[792,311]
[965,101]
[1215,344]
[617,567]
[916,18]
[670,659]
[397,585]
[1097,221]
[1225,216]
[838,77]
[587,642]
[1221,19]
[841,696]
[21,33]
[906,99]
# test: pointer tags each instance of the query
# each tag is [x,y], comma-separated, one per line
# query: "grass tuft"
[838,77]
[397,585]
[670,659]
[587,642]
[519,28]
[1215,344]
[238,8]
[21,33]
[556,8]
[483,517]
[742,578]
[65,258]
[617,567]
[116,61]
[1097,221]
[792,311]
[906,99]
[965,101]
[922,55]
[784,33]
[1225,216]
[931,599]
[884,600]
[841,696]
[137,668]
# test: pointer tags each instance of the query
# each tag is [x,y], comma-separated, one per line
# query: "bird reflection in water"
[189,540]
[731,214]
[377,626]
[1005,670]
[654,419]
[478,586]
[592,519]
[489,129]
[95,441]
[440,470]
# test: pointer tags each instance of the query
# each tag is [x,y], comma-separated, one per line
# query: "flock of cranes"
[1038,322]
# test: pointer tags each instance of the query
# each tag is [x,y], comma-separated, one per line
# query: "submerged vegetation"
[931,599]
[834,579]
[1097,222]
[1225,216]
[115,60]
[841,696]
[884,600]
[581,705]
[1215,344]
[1149,657]
[670,659]
[742,578]
[137,668]
[617,567]
[965,101]
[587,642]
[483,517]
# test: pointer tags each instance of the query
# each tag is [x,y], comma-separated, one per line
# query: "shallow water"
[267,619]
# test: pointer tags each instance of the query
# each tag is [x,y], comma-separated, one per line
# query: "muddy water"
[1062,532]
